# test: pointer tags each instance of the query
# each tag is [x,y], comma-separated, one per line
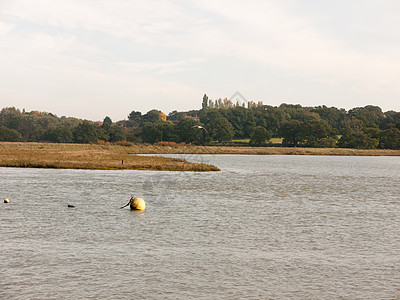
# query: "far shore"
[191,149]
[127,155]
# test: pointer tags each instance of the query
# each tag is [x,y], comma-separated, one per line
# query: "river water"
[265,227]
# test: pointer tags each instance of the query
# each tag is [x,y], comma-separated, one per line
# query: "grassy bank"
[95,157]
[172,148]
[125,156]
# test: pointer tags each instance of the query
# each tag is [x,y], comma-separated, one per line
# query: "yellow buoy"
[137,203]
[6,200]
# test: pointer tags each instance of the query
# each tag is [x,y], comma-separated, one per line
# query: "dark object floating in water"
[70,205]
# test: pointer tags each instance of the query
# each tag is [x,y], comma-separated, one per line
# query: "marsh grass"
[191,149]
[125,156]
[95,157]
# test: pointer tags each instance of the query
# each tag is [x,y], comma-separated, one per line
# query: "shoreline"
[191,149]
[127,156]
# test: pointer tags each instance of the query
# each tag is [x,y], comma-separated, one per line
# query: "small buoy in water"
[6,201]
[70,205]
[137,204]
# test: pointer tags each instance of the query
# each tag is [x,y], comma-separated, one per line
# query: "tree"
[392,119]
[390,139]
[10,117]
[151,133]
[291,133]
[357,140]
[107,122]
[162,117]
[242,120]
[116,134]
[157,132]
[205,102]
[220,129]
[58,135]
[85,132]
[135,119]
[274,118]
[317,133]
[371,115]
[189,134]
[333,116]
[259,136]
[154,116]
[9,135]
[354,135]
[135,116]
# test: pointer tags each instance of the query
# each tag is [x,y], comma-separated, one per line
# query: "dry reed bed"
[95,157]
[165,148]
[124,156]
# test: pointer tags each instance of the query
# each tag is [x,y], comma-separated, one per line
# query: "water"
[265,227]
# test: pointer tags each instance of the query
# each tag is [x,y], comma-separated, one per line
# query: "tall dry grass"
[124,155]
[98,157]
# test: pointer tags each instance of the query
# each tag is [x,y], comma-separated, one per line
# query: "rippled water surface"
[278,227]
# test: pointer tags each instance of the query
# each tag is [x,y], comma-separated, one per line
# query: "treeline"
[46,127]
[217,122]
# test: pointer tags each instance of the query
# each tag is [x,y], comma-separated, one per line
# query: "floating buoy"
[137,204]
[6,201]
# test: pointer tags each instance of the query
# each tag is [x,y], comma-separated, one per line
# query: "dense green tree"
[85,133]
[169,132]
[175,116]
[69,122]
[333,116]
[134,135]
[135,119]
[299,113]
[390,139]
[317,133]
[274,118]
[10,117]
[204,104]
[107,122]
[238,117]
[157,132]
[259,136]
[188,133]
[153,116]
[291,132]
[391,120]
[30,128]
[370,115]
[357,140]
[116,134]
[151,133]
[9,135]
[58,135]
[354,135]
[220,129]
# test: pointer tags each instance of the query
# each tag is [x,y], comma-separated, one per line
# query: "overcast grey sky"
[97,58]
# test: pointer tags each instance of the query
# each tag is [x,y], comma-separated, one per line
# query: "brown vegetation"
[95,157]
[126,155]
[173,148]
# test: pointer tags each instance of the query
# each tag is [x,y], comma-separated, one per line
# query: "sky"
[95,58]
